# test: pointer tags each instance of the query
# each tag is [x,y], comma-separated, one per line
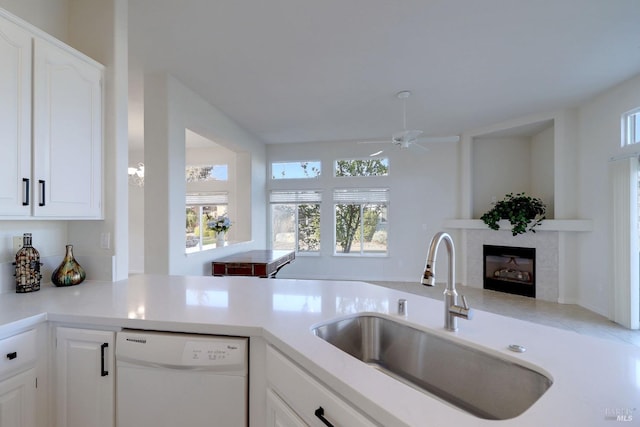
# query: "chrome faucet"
[451,308]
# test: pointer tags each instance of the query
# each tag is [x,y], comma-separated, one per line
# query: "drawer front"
[305,395]
[17,352]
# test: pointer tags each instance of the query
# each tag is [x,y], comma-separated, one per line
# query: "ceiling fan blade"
[407,135]
[377,153]
[439,139]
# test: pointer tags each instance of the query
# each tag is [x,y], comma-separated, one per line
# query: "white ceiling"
[328,70]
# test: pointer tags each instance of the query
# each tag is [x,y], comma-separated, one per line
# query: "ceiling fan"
[407,138]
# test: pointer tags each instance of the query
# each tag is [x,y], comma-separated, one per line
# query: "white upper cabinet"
[15,126]
[51,128]
[67,140]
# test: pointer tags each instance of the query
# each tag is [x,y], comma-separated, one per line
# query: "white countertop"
[593,379]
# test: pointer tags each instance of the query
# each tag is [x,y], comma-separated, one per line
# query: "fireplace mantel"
[574,225]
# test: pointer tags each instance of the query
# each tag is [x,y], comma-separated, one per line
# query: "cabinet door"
[67,126]
[279,414]
[85,385]
[313,403]
[15,122]
[18,400]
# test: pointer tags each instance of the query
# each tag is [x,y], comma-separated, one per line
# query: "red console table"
[259,263]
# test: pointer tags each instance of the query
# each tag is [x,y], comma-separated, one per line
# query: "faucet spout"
[451,308]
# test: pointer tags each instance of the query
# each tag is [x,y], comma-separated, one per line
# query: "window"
[295,170]
[362,167]
[295,220]
[631,127]
[207,173]
[200,207]
[361,221]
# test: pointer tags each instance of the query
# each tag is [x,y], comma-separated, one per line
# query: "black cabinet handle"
[103,372]
[25,200]
[320,414]
[12,355]
[42,189]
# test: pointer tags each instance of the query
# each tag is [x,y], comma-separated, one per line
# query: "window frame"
[362,202]
[313,197]
[630,128]
[202,200]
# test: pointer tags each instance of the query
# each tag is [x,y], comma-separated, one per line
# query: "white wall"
[136,220]
[422,187]
[599,124]
[170,108]
[51,16]
[500,166]
[542,168]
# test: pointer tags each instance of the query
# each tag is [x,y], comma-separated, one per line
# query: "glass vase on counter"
[27,267]
[69,272]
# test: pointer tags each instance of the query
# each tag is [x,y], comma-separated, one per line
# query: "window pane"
[364,167]
[207,173]
[308,228]
[631,127]
[361,228]
[375,229]
[295,227]
[193,227]
[347,222]
[295,170]
[198,235]
[283,223]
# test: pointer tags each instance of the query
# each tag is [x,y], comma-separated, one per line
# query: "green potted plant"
[522,211]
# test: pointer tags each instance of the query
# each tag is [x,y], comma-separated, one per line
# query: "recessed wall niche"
[514,160]
[202,151]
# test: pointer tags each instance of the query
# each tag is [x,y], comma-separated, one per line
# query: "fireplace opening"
[510,269]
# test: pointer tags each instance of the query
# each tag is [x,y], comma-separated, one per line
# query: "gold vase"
[69,272]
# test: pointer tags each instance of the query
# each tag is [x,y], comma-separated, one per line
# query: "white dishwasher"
[170,379]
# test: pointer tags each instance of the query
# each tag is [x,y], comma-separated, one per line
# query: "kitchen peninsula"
[593,379]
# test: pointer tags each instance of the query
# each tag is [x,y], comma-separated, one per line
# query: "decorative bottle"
[69,272]
[27,267]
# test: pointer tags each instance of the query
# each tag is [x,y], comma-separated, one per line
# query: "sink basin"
[473,380]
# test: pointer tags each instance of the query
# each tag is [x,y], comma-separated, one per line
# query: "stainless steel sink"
[473,380]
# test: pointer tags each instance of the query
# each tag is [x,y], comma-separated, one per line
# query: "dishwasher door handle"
[103,372]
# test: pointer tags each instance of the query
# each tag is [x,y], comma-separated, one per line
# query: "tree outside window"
[361,221]
[361,214]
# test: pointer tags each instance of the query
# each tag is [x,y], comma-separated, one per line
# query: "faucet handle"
[464,302]
[464,312]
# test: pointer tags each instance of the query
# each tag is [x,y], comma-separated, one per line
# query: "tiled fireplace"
[546,248]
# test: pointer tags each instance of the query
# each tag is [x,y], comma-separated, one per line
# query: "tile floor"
[564,316]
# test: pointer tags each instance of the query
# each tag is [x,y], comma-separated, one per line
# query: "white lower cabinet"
[294,398]
[18,400]
[279,414]
[84,389]
[18,380]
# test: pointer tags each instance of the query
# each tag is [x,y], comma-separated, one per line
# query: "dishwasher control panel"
[183,351]
[206,352]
